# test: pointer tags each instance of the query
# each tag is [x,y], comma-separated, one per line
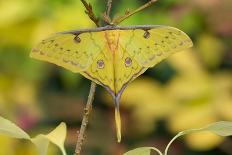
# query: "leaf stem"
[157,150]
[127,14]
[87,110]
[169,144]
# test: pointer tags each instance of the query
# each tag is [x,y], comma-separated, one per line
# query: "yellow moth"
[112,56]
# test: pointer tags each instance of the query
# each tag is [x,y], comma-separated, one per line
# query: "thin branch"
[89,12]
[108,7]
[87,110]
[106,14]
[88,107]
[127,14]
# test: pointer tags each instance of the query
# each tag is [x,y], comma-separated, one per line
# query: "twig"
[108,7]
[88,107]
[87,110]
[106,14]
[89,12]
[127,14]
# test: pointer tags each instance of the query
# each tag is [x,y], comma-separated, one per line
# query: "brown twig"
[106,14]
[108,7]
[89,12]
[128,13]
[88,107]
[85,120]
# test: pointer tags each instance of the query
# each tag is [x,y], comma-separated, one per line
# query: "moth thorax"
[112,38]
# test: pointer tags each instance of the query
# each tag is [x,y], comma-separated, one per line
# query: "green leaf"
[222,128]
[57,136]
[8,128]
[142,151]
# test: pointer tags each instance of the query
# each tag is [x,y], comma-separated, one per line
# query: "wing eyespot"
[128,62]
[100,64]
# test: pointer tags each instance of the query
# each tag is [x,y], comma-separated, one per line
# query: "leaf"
[139,151]
[57,136]
[142,151]
[8,128]
[41,144]
[222,128]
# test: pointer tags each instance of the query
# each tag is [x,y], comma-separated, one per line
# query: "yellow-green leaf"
[8,128]
[222,128]
[41,144]
[57,136]
[142,151]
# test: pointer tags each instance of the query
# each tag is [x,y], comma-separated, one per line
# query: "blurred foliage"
[222,128]
[41,141]
[188,90]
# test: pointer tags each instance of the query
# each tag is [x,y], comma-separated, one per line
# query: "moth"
[112,56]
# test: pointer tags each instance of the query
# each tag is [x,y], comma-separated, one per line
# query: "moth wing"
[73,52]
[126,69]
[149,47]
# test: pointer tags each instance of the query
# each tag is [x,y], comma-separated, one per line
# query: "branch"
[89,12]
[87,110]
[106,14]
[127,14]
[108,7]
[88,107]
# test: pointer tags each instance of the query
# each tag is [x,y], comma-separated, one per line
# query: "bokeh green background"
[188,90]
